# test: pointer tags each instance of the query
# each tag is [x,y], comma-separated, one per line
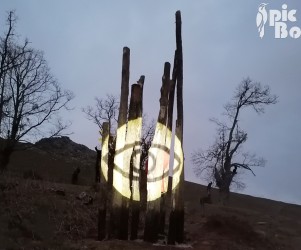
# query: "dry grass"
[39,210]
[237,230]
[37,214]
[76,221]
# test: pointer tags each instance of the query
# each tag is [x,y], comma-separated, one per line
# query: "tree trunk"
[225,185]
[4,66]
[176,222]
[6,150]
[119,215]
[224,193]
[158,164]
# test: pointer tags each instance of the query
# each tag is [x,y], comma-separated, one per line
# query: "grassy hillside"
[54,160]
[45,212]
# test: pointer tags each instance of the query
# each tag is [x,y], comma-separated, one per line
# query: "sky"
[83,40]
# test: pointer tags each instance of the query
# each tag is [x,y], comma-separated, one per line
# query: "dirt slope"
[47,213]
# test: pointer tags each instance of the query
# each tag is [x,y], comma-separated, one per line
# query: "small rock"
[206,243]
[58,191]
[88,200]
[261,222]
[260,232]
[82,195]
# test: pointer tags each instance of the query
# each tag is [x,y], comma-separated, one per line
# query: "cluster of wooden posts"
[122,213]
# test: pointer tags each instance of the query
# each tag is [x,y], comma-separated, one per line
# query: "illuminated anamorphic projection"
[158,159]
[158,163]
[127,155]
[119,164]
[105,151]
[128,148]
[158,167]
[178,162]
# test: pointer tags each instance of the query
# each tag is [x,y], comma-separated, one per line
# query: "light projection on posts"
[155,175]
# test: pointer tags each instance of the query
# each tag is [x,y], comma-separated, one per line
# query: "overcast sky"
[83,42]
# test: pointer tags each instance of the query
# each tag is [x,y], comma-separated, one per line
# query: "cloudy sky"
[83,42]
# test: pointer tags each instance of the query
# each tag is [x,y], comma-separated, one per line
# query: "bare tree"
[30,98]
[105,110]
[7,60]
[221,161]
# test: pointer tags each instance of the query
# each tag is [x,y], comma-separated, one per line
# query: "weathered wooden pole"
[97,165]
[176,222]
[143,161]
[158,160]
[119,225]
[134,140]
[166,179]
[102,210]
[112,145]
[105,153]
[110,190]
[171,96]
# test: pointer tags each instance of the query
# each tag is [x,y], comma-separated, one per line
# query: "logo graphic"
[261,19]
[279,19]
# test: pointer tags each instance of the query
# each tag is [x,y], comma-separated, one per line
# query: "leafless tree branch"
[30,97]
[221,161]
[105,110]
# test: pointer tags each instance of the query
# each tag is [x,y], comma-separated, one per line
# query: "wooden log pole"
[176,222]
[118,228]
[167,186]
[134,139]
[102,210]
[112,142]
[157,161]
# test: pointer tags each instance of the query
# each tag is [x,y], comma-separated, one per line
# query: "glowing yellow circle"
[158,172]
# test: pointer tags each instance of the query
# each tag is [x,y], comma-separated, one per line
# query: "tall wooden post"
[167,185]
[143,162]
[171,96]
[102,210]
[176,222]
[112,145]
[110,189]
[157,159]
[120,166]
[134,140]
[119,225]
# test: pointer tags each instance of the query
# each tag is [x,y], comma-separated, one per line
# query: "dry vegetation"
[36,213]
